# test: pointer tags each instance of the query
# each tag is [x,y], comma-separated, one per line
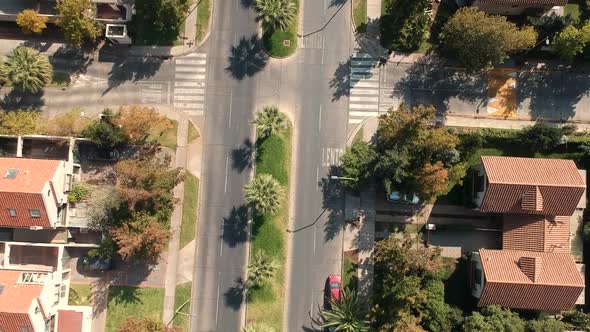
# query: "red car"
[335,285]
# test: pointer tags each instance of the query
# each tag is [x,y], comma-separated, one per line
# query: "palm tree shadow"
[247,4]
[15,100]
[246,58]
[246,155]
[333,202]
[235,226]
[234,296]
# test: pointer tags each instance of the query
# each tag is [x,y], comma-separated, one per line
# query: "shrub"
[78,193]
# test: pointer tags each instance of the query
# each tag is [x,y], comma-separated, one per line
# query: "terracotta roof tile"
[69,321]
[31,177]
[530,280]
[16,297]
[531,186]
[12,322]
[536,233]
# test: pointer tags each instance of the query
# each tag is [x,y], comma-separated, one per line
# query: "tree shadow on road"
[335,3]
[132,70]
[235,226]
[234,296]
[552,94]
[245,156]
[431,82]
[247,4]
[333,202]
[340,82]
[15,100]
[246,58]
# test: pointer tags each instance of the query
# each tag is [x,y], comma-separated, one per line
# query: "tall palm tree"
[276,13]
[259,327]
[260,269]
[346,314]
[264,193]
[26,69]
[270,121]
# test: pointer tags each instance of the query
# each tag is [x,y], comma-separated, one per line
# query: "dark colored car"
[403,197]
[87,263]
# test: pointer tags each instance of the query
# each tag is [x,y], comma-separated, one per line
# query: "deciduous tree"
[77,22]
[432,179]
[103,132]
[142,237]
[480,40]
[26,69]
[69,123]
[30,21]
[571,41]
[357,164]
[138,121]
[493,319]
[541,136]
[19,123]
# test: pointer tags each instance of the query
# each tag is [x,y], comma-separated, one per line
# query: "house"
[33,301]
[535,199]
[113,13]
[518,7]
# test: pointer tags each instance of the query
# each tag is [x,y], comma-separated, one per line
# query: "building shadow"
[246,58]
[235,226]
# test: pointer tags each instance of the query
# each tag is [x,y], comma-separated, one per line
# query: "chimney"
[531,267]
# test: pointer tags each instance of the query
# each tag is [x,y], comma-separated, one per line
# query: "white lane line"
[189,91]
[317,174]
[185,69]
[370,77]
[218,292]
[368,63]
[363,107]
[196,55]
[362,84]
[365,114]
[320,120]
[189,76]
[188,98]
[361,55]
[226,173]
[190,84]
[364,70]
[355,91]
[231,102]
[190,62]
[188,105]
[374,99]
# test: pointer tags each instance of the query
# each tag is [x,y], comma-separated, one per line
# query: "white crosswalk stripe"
[189,86]
[364,97]
[151,93]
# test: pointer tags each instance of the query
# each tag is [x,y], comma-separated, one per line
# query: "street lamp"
[335,177]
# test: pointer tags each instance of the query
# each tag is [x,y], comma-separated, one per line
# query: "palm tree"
[260,269]
[264,193]
[26,69]
[270,121]
[346,314]
[259,327]
[276,13]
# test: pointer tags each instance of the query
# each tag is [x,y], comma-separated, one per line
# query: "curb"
[210,25]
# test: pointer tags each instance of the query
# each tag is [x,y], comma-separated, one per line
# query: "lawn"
[193,133]
[573,9]
[268,233]
[168,138]
[273,39]
[138,302]
[80,295]
[189,209]
[183,294]
[359,13]
[203,16]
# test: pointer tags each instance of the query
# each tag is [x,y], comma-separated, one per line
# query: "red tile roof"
[12,322]
[536,233]
[32,174]
[526,2]
[22,202]
[16,297]
[531,186]
[530,280]
[69,321]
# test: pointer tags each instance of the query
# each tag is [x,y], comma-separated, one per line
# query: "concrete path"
[175,225]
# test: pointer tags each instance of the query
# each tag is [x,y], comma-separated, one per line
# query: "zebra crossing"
[189,83]
[151,93]
[364,88]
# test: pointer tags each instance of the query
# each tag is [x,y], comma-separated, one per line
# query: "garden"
[279,25]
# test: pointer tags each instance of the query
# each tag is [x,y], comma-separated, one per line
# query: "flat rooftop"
[13,7]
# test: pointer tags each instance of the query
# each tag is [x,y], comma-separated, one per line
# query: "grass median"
[275,39]
[203,16]
[182,297]
[189,209]
[359,13]
[265,304]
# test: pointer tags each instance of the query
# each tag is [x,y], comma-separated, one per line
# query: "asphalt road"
[221,251]
[316,238]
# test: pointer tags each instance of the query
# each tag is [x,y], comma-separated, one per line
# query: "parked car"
[335,287]
[87,263]
[406,197]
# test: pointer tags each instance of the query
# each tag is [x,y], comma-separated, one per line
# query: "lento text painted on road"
[331,156]
[364,88]
[189,87]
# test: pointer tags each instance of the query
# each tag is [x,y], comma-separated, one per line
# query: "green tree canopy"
[104,133]
[19,122]
[270,121]
[31,22]
[542,136]
[260,269]
[357,164]
[264,193]
[571,41]
[27,69]
[345,315]
[276,13]
[480,40]
[76,19]
[493,319]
